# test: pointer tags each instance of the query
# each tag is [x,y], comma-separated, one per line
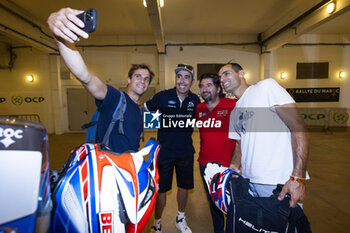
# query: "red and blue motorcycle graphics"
[102,191]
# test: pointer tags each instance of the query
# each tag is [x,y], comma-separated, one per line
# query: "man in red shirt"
[215,146]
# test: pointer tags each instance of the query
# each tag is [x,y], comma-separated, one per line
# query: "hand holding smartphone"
[89,17]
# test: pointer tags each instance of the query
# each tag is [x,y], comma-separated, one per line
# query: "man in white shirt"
[272,143]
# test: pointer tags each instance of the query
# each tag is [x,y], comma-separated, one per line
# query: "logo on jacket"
[8,134]
[151,120]
[202,114]
[190,106]
[222,113]
[171,104]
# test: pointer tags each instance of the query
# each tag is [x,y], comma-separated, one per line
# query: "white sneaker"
[182,225]
[156,229]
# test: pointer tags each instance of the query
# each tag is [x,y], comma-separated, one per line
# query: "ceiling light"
[331,7]
[341,74]
[161,3]
[283,75]
[30,78]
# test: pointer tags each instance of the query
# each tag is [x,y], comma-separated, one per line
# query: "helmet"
[216,177]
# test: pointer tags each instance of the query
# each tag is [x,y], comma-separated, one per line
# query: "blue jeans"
[217,216]
[261,190]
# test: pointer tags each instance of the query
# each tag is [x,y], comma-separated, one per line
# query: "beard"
[209,97]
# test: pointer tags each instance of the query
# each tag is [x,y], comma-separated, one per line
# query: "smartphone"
[89,17]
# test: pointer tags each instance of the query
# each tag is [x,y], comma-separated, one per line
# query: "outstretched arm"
[66,28]
[291,117]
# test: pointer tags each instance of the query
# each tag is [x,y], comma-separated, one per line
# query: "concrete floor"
[326,204]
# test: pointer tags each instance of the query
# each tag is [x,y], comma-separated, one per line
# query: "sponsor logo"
[190,106]
[34,99]
[222,113]
[7,135]
[171,102]
[318,116]
[251,226]
[106,222]
[151,120]
[171,106]
[17,100]
[201,114]
[340,117]
[2,99]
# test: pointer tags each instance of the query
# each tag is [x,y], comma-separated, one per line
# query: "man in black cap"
[177,106]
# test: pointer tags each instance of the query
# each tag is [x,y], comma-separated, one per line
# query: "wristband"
[298,179]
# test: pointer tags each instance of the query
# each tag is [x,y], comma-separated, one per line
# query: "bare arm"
[66,28]
[235,163]
[291,117]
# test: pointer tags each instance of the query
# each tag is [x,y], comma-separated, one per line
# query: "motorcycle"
[96,190]
[25,203]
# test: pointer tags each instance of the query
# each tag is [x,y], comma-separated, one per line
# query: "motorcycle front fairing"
[104,191]
[25,204]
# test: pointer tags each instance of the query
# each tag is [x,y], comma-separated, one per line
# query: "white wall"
[193,55]
[14,85]
[285,59]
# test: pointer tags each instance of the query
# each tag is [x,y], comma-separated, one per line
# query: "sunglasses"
[186,66]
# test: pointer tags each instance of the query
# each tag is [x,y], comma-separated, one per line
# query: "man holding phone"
[67,28]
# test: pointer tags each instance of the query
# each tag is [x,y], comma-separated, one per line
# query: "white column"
[59,118]
[264,65]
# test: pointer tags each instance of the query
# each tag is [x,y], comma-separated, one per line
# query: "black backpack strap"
[118,113]
[121,114]
[92,121]
[143,132]
[87,125]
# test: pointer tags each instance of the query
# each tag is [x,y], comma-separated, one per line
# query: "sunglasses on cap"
[186,66]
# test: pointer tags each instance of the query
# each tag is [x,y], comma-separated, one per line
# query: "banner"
[323,94]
